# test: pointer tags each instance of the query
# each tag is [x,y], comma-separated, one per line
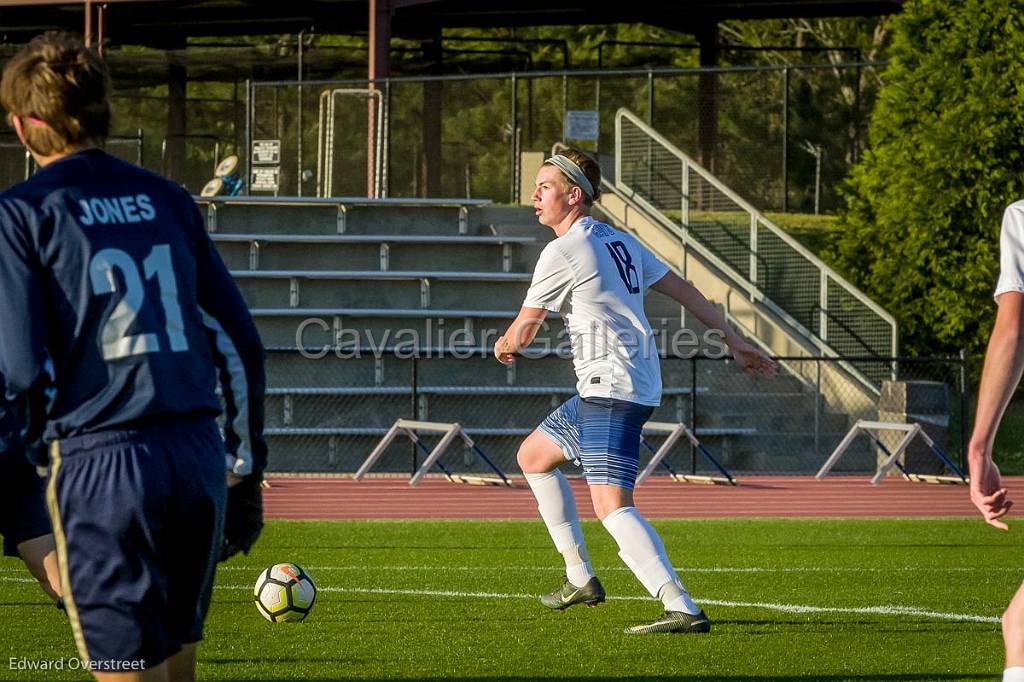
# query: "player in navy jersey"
[598,276]
[116,315]
[24,524]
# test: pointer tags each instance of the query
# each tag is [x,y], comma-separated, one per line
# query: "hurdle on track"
[911,430]
[450,431]
[676,431]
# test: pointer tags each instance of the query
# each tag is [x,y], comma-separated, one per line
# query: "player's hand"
[244,518]
[504,351]
[988,493]
[752,361]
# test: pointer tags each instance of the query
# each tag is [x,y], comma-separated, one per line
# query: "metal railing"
[777,270]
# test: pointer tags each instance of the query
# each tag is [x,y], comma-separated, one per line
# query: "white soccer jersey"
[597,277]
[1011,250]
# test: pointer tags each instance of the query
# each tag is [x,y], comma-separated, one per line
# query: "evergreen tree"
[921,228]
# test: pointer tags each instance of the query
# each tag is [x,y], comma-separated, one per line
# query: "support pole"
[379,70]
[707,95]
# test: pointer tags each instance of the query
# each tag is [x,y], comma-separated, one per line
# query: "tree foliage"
[921,228]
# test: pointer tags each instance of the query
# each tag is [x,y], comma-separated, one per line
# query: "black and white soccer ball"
[284,593]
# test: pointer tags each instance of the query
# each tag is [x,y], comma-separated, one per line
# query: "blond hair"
[55,79]
[590,169]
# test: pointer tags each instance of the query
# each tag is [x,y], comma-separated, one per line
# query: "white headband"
[573,172]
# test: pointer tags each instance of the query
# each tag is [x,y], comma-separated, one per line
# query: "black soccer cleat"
[568,595]
[674,621]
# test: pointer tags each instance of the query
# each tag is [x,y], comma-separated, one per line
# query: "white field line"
[884,610]
[612,569]
[679,569]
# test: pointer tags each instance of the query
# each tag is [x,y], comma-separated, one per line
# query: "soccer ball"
[284,593]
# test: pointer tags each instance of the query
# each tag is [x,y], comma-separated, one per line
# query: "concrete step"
[368,289]
[344,216]
[431,368]
[374,252]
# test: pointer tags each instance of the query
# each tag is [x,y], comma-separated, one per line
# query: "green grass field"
[790,600]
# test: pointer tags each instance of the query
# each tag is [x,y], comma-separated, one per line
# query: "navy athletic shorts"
[602,434]
[22,505]
[138,519]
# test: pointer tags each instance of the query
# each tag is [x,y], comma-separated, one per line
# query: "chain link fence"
[327,409]
[463,135]
[748,247]
[16,163]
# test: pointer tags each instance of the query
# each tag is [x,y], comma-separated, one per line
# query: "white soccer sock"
[644,553]
[1014,674]
[557,507]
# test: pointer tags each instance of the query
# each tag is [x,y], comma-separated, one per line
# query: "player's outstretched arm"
[748,358]
[238,354]
[520,334]
[1004,362]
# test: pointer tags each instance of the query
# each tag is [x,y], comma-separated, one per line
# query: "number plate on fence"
[265,179]
[266,152]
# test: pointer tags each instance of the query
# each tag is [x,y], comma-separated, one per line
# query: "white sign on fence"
[267,152]
[581,125]
[265,179]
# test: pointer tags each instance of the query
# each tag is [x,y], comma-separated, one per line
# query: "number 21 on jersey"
[117,343]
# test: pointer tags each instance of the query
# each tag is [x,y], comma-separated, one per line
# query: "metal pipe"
[964,416]
[672,71]
[785,139]
[249,96]
[300,130]
[693,412]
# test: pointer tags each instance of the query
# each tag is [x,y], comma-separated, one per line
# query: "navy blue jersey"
[116,311]
[10,431]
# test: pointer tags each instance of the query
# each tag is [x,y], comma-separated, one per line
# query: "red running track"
[839,496]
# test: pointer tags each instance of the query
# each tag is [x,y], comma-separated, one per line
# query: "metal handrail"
[846,328]
[688,165]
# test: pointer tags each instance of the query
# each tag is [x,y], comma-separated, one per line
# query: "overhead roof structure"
[168,24]
[155,22]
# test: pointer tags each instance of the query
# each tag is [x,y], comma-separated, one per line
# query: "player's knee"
[602,509]
[527,459]
[538,455]
[1013,623]
[604,505]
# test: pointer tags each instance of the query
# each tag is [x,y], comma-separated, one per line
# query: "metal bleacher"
[345,278]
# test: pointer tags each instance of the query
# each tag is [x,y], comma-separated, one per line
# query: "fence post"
[386,170]
[414,382]
[565,98]
[650,98]
[684,217]
[250,106]
[817,407]
[299,127]
[785,139]
[693,412]
[823,306]
[964,416]
[513,183]
[752,261]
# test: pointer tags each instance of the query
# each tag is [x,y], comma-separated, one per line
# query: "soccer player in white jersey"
[599,275]
[1004,360]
